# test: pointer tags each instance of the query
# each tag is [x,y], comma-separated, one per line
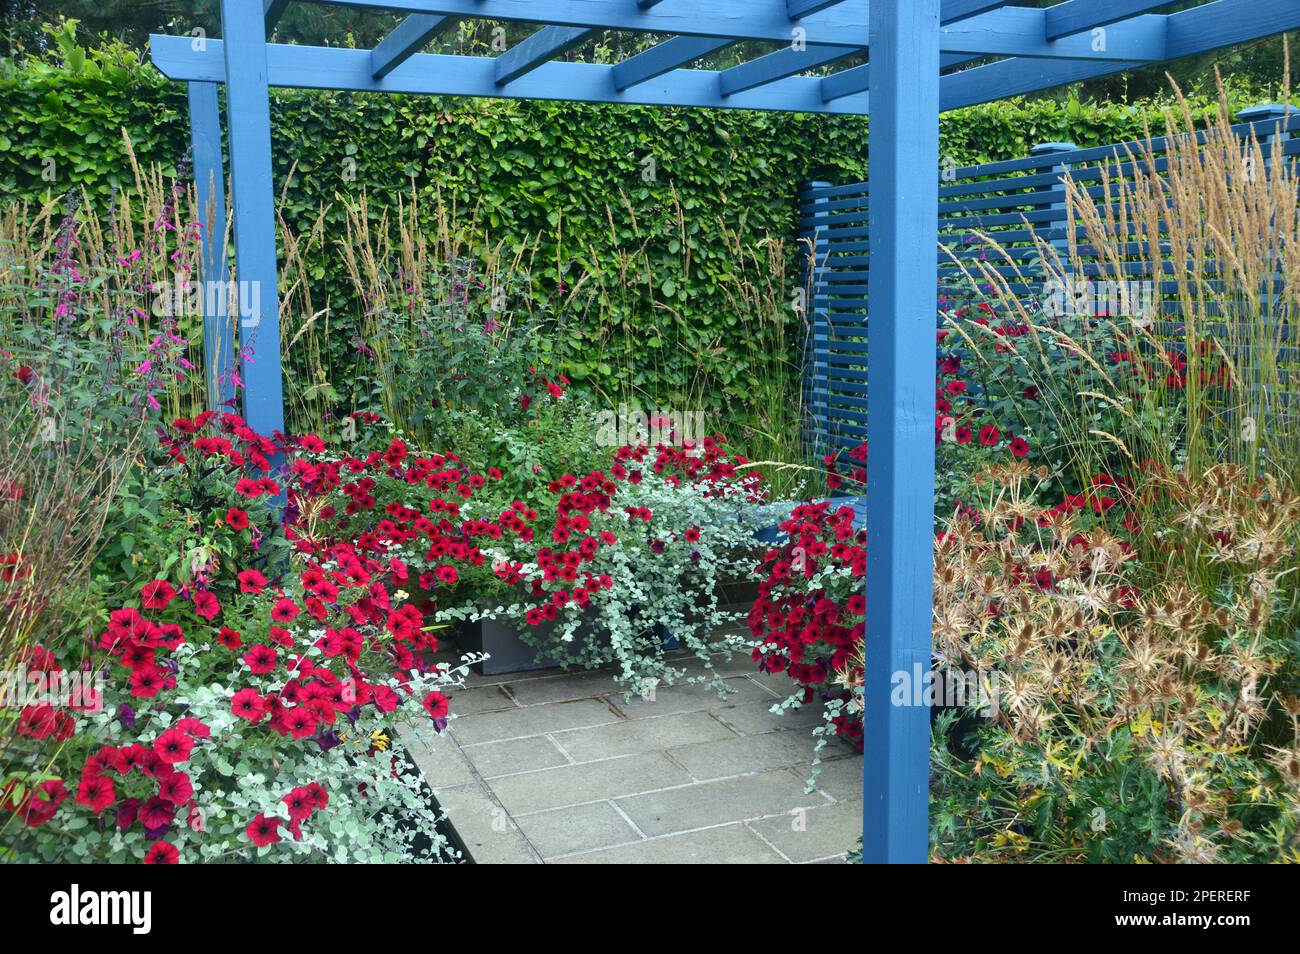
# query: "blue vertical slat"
[815,346]
[210,188]
[903,210]
[253,197]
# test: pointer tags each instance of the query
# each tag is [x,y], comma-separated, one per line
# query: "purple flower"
[126,716]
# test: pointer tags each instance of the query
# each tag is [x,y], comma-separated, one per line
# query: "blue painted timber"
[253,198]
[210,192]
[900,425]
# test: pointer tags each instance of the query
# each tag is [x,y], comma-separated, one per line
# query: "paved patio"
[549,766]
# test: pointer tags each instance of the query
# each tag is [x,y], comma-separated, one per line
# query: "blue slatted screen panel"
[1012,201]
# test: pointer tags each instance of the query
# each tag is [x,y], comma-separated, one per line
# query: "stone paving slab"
[727,845]
[641,735]
[491,759]
[559,766]
[738,756]
[532,720]
[690,698]
[588,781]
[821,832]
[714,803]
[563,831]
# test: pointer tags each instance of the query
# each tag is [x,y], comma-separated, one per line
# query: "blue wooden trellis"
[903,87]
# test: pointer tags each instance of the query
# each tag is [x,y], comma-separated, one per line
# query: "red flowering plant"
[244,689]
[611,565]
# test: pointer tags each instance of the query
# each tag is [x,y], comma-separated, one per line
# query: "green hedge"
[536,169]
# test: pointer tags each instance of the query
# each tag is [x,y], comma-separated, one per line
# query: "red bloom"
[96,792]
[437,705]
[206,605]
[1020,447]
[247,704]
[251,581]
[157,595]
[173,746]
[261,659]
[161,853]
[237,519]
[989,435]
[300,803]
[229,638]
[264,831]
[284,611]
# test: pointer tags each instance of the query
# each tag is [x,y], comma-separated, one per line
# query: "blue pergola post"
[210,189]
[902,299]
[253,197]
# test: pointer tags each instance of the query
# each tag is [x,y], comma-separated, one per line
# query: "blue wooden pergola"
[916,51]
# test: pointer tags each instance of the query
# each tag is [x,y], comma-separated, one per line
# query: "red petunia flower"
[206,605]
[173,746]
[157,595]
[247,704]
[1020,447]
[284,611]
[989,435]
[96,792]
[261,659]
[251,581]
[161,853]
[437,705]
[263,831]
[237,519]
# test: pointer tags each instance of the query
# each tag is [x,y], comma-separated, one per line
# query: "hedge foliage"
[572,178]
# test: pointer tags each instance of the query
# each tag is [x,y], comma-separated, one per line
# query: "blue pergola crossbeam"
[407,39]
[664,58]
[1198,30]
[544,45]
[272,10]
[858,79]
[313,67]
[779,65]
[803,8]
[1020,31]
[1076,16]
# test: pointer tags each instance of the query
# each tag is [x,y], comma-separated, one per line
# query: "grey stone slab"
[578,828]
[736,756]
[588,781]
[815,833]
[514,755]
[437,757]
[756,718]
[841,777]
[777,683]
[531,720]
[466,702]
[687,698]
[642,735]
[726,845]
[714,803]
[488,832]
[562,687]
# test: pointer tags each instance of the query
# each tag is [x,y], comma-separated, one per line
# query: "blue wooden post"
[902,302]
[210,188]
[1279,112]
[248,108]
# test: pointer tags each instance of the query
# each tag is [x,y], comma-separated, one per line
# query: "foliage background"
[566,180]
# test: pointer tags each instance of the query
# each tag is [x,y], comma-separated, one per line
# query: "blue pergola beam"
[769,20]
[778,65]
[857,79]
[244,51]
[1021,31]
[544,45]
[210,193]
[901,301]
[1077,16]
[803,8]
[790,62]
[664,58]
[311,67]
[1198,30]
[272,10]
[408,38]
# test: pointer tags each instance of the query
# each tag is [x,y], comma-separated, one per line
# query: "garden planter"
[408,769]
[507,652]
